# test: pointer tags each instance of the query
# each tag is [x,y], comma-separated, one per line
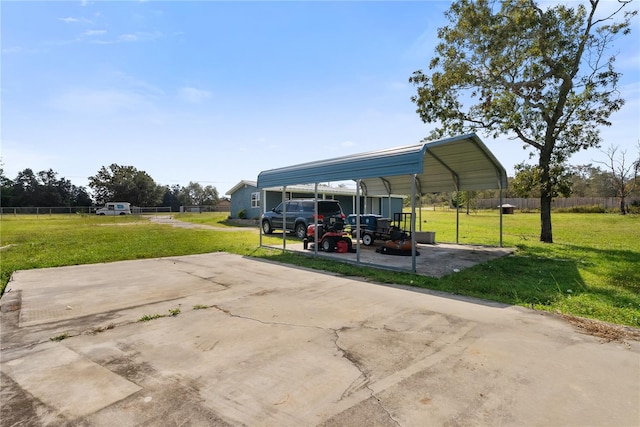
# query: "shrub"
[583,209]
[242,214]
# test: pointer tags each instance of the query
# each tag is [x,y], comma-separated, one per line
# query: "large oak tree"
[537,75]
[126,184]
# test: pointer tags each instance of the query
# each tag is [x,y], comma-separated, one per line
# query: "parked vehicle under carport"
[300,214]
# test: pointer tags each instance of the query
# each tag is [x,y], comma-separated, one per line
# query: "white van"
[115,208]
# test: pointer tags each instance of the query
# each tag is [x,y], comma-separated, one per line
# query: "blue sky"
[215,92]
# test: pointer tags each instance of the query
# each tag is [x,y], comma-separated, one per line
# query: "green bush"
[242,214]
[583,209]
[633,209]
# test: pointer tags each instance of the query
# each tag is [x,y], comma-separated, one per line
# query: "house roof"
[240,185]
[459,163]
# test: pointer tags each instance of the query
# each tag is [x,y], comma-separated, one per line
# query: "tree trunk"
[623,211]
[546,192]
[546,234]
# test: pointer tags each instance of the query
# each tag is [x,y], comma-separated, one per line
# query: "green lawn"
[592,270]
[57,240]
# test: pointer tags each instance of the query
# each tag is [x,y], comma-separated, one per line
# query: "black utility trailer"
[374,227]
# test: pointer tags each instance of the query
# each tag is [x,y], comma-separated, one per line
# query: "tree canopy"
[42,189]
[540,76]
[125,183]
[196,194]
[193,194]
[526,182]
[113,183]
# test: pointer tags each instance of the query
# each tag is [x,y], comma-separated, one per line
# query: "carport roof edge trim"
[404,160]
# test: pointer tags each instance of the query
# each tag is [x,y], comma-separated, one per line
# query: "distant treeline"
[114,183]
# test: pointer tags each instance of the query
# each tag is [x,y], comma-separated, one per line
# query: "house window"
[255,200]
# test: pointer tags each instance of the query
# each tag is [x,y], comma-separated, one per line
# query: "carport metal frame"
[452,164]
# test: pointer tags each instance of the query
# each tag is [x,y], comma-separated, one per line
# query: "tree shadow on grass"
[621,268]
[542,279]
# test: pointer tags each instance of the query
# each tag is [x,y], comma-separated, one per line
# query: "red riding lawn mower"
[331,237]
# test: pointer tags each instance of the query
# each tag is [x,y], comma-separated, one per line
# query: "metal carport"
[453,164]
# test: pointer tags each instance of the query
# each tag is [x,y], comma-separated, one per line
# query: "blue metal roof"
[459,163]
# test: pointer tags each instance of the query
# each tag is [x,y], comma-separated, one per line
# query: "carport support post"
[284,218]
[315,221]
[358,222]
[500,209]
[457,215]
[263,209]
[413,223]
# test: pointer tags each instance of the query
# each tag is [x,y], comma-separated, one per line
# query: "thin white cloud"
[193,95]
[92,33]
[139,36]
[72,20]
[98,101]
[13,49]
[123,38]
[128,38]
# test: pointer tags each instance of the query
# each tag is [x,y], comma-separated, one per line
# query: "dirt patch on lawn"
[168,219]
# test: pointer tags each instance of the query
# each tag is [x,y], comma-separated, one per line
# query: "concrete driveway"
[262,344]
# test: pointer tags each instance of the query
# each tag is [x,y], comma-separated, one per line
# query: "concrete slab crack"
[207,279]
[264,322]
[364,374]
[359,383]
[389,414]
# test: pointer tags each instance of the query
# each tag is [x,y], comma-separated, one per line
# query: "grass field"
[592,270]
